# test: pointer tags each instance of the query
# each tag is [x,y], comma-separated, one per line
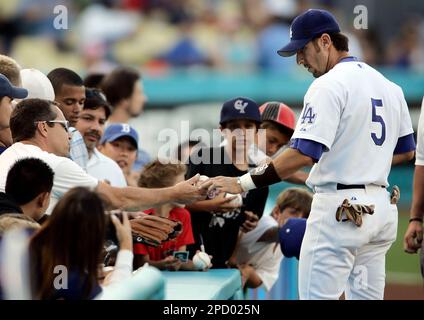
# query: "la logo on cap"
[291,33]
[240,105]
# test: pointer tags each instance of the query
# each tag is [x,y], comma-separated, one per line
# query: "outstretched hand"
[225,184]
[192,190]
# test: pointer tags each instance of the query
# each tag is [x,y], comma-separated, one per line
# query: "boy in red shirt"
[157,175]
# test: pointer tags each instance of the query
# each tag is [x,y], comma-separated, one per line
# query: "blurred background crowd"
[234,35]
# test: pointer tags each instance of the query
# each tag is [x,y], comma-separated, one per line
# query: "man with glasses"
[39,130]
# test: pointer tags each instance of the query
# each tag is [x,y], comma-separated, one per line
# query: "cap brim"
[18,93]
[120,135]
[292,47]
[241,117]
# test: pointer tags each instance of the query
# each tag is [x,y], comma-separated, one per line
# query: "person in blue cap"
[354,125]
[8,92]
[217,221]
[120,143]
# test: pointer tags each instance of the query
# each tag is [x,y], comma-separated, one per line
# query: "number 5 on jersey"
[376,118]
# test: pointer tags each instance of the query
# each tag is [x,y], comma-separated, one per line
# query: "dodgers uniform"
[361,119]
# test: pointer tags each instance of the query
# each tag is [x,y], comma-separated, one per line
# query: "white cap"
[37,84]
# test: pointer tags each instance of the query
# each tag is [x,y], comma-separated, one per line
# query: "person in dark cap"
[8,92]
[218,220]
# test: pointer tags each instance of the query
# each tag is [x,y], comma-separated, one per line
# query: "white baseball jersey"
[420,139]
[359,124]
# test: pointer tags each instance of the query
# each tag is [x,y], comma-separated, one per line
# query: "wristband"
[246,183]
[416,219]
[264,175]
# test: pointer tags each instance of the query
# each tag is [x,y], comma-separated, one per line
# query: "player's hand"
[191,191]
[225,184]
[250,223]
[123,231]
[413,237]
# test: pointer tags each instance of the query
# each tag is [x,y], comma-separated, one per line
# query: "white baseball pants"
[339,257]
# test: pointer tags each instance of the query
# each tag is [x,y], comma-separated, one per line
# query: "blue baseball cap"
[240,108]
[291,237]
[119,130]
[307,26]
[9,90]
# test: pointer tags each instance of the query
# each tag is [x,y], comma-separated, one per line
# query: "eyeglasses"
[63,123]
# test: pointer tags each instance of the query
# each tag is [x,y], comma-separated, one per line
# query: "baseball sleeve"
[320,116]
[420,139]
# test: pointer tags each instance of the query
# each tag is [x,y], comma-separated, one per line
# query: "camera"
[110,227]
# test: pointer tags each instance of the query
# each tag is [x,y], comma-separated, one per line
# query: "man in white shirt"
[91,125]
[354,125]
[40,131]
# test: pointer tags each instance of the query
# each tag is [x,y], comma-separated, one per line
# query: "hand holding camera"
[123,231]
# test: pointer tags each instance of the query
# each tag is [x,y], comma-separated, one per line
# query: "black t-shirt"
[219,231]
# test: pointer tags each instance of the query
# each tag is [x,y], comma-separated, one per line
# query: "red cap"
[279,113]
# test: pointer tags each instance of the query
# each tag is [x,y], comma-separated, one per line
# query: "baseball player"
[413,239]
[354,125]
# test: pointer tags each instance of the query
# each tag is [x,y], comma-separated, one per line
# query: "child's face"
[287,213]
[241,133]
[274,141]
[123,151]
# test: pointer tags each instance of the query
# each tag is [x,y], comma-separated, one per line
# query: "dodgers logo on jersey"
[308,115]
[240,105]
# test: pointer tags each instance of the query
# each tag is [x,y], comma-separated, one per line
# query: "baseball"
[238,201]
[201,260]
[203,178]
[212,193]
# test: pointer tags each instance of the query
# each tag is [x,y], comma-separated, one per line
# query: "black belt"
[341,186]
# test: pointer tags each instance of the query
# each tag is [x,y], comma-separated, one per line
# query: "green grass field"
[401,267]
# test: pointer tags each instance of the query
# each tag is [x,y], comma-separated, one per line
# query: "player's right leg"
[325,262]
[367,280]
